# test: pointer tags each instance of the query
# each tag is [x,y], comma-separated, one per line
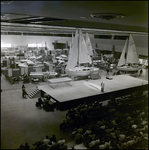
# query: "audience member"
[63,126]
[38,144]
[53,138]
[40,102]
[26,146]
[46,140]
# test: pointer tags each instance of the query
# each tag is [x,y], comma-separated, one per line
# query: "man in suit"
[102,86]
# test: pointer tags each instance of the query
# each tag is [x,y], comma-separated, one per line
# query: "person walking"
[24,93]
[23,88]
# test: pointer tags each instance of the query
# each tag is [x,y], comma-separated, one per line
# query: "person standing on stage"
[102,86]
[141,71]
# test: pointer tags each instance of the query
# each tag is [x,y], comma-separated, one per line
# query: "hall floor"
[22,121]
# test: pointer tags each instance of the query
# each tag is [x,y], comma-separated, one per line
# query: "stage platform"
[90,90]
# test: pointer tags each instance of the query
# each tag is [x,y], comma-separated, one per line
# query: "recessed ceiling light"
[107,16]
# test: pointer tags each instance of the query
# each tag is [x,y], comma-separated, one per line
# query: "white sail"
[122,58]
[71,42]
[78,54]
[73,53]
[84,56]
[89,46]
[132,54]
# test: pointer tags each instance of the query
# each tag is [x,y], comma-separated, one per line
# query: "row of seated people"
[46,103]
[47,143]
[121,124]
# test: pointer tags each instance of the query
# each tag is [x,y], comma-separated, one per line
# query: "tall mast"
[78,47]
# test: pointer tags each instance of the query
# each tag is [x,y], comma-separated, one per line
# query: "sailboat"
[78,55]
[90,51]
[132,61]
[89,46]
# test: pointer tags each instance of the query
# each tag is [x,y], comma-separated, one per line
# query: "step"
[32,94]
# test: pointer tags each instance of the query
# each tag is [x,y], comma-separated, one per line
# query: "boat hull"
[128,68]
[82,71]
[75,73]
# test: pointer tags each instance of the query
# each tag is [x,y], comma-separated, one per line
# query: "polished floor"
[22,122]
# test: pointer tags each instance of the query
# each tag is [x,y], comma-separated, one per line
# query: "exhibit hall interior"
[74,75]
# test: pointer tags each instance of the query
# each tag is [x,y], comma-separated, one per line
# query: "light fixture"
[107,16]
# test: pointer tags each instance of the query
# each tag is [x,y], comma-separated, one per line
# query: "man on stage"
[102,86]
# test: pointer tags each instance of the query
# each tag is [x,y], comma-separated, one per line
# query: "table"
[59,80]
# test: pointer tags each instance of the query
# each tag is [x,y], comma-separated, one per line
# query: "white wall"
[105,44]
[16,40]
[141,43]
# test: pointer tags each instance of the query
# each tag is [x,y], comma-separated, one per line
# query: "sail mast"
[84,56]
[73,53]
[78,47]
[122,58]
[132,56]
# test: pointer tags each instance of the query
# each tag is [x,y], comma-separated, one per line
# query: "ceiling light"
[107,16]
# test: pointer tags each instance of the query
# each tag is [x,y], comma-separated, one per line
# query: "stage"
[90,90]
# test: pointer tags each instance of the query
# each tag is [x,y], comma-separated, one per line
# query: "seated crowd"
[47,143]
[121,124]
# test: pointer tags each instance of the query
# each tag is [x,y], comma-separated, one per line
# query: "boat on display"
[78,55]
[131,63]
[90,50]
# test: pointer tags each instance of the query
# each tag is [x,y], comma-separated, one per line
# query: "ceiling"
[115,17]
